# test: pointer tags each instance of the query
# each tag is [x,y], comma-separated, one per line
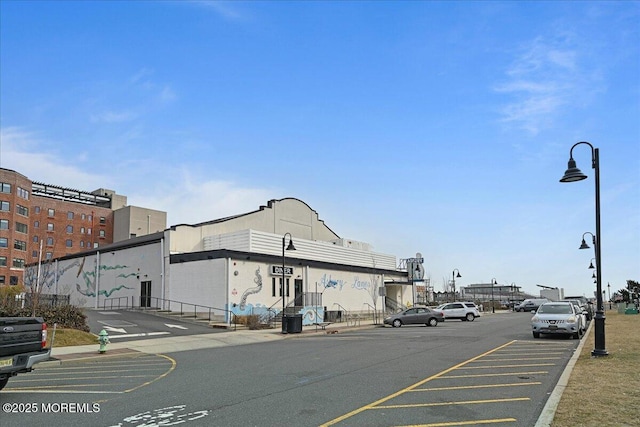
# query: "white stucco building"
[234,265]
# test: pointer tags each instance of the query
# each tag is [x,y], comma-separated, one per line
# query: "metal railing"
[375,313]
[184,309]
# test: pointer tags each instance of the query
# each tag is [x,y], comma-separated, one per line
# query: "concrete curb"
[549,410]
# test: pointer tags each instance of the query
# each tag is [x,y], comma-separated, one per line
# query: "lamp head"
[291,247]
[584,245]
[591,267]
[458,275]
[572,173]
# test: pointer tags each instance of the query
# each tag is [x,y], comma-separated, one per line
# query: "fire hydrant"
[103,339]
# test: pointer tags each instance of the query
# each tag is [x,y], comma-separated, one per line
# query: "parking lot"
[118,372]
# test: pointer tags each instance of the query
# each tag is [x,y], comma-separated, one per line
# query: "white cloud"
[36,159]
[190,199]
[225,9]
[113,117]
[186,195]
[542,79]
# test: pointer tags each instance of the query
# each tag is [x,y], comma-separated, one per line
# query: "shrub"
[251,321]
[66,316]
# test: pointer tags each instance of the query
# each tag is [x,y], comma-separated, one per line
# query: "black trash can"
[294,323]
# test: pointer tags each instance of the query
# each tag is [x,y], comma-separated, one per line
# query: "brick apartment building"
[41,221]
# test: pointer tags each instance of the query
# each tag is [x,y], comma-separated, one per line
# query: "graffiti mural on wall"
[328,282]
[258,281]
[48,274]
[89,289]
[53,280]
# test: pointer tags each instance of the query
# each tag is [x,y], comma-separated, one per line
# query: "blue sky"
[433,127]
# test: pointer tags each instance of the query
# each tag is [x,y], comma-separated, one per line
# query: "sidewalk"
[193,342]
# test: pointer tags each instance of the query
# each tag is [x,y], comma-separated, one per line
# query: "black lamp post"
[609,289]
[493,305]
[282,288]
[453,281]
[573,174]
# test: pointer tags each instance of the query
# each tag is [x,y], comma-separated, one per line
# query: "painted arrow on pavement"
[112,329]
[174,326]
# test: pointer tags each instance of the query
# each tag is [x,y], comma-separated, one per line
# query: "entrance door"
[145,294]
[299,297]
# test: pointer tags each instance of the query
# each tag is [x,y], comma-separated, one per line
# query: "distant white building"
[234,264]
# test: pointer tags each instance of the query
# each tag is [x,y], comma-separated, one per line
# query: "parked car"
[415,316]
[586,305]
[465,311]
[558,317]
[530,304]
[580,309]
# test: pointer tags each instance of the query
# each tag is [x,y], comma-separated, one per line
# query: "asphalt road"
[123,325]
[487,371]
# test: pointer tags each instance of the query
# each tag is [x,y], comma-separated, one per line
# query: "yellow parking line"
[173,366]
[467,402]
[411,387]
[464,387]
[522,365]
[515,359]
[464,423]
[504,374]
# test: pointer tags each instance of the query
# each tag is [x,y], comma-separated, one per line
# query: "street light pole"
[573,174]
[493,305]
[609,289]
[453,281]
[282,288]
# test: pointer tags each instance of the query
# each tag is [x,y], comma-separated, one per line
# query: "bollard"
[103,339]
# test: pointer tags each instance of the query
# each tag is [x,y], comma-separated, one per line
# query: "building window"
[82,243]
[88,231]
[23,193]
[69,229]
[21,228]
[4,242]
[49,227]
[37,209]
[95,244]
[51,212]
[2,282]
[20,245]
[36,224]
[18,263]
[49,255]
[83,216]
[69,243]
[4,206]
[103,220]
[101,233]
[34,254]
[36,239]
[5,188]
[3,261]
[13,280]
[4,224]
[279,289]
[49,241]
[69,215]
[22,210]
[81,230]
[89,217]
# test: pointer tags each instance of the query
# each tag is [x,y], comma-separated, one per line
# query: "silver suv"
[560,317]
[465,311]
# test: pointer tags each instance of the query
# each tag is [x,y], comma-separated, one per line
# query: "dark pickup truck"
[23,343]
